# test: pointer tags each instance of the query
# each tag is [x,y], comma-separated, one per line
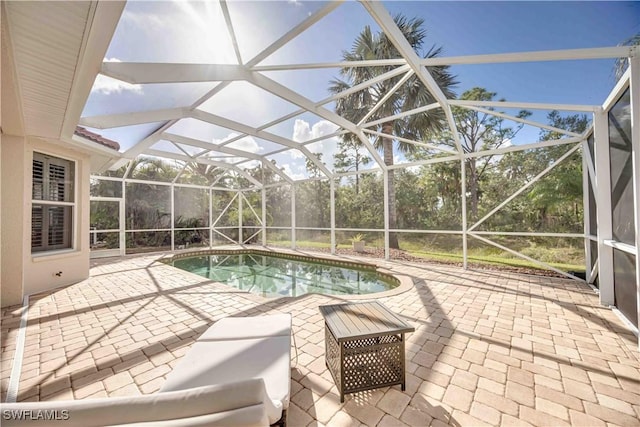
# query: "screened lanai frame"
[594,164]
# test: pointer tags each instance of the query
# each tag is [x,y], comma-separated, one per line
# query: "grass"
[566,258]
[494,260]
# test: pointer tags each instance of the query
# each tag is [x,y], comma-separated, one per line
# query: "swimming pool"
[277,276]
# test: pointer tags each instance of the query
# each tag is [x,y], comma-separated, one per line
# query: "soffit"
[46,39]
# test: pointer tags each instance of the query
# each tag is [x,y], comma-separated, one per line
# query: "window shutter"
[51,214]
[57,187]
[56,226]
[38,179]
[37,226]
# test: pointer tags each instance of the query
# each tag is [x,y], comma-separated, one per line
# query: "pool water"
[276,277]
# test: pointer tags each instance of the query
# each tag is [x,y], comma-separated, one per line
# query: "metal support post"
[293,216]
[332,190]
[385,180]
[463,202]
[210,218]
[240,238]
[173,216]
[123,222]
[603,197]
[264,216]
[634,65]
[586,212]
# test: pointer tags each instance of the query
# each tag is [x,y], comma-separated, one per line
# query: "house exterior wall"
[12,203]
[23,273]
[48,270]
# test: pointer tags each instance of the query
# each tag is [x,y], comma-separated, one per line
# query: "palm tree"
[622,64]
[412,94]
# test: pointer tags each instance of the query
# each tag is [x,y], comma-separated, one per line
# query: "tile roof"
[80,131]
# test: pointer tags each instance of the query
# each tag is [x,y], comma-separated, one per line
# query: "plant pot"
[358,246]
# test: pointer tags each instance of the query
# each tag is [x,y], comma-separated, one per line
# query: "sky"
[179,31]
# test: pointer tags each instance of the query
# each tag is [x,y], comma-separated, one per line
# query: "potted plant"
[358,242]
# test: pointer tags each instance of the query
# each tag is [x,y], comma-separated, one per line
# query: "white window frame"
[70,240]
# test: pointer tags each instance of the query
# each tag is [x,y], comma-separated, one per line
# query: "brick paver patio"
[490,348]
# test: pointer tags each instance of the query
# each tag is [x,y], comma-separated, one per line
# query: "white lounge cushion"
[235,328]
[241,403]
[211,362]
[242,417]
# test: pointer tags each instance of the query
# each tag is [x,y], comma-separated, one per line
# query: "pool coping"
[404,282]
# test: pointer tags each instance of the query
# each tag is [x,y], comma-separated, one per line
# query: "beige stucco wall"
[12,219]
[40,269]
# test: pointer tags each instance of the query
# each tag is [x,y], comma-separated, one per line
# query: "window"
[52,203]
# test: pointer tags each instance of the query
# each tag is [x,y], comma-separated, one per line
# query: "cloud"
[296,154]
[302,131]
[248,143]
[293,175]
[107,85]
[146,21]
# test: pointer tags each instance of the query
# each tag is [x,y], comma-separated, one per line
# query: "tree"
[622,64]
[479,132]
[351,157]
[560,192]
[412,94]
[312,197]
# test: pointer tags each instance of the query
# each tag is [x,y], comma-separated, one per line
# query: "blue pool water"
[275,277]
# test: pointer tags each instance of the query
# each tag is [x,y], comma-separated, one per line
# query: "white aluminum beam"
[229,166]
[586,213]
[521,120]
[465,220]
[590,166]
[281,119]
[386,22]
[141,146]
[533,145]
[425,162]
[518,254]
[222,149]
[150,72]
[366,84]
[240,127]
[386,97]
[287,94]
[240,239]
[535,56]
[388,25]
[385,184]
[525,105]
[332,210]
[529,234]
[293,217]
[624,247]
[232,33]
[603,206]
[511,57]
[341,64]
[617,91]
[263,195]
[409,141]
[402,114]
[634,66]
[372,150]
[129,119]
[100,28]
[294,32]
[524,187]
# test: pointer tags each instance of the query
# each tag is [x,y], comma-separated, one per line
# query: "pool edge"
[404,282]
